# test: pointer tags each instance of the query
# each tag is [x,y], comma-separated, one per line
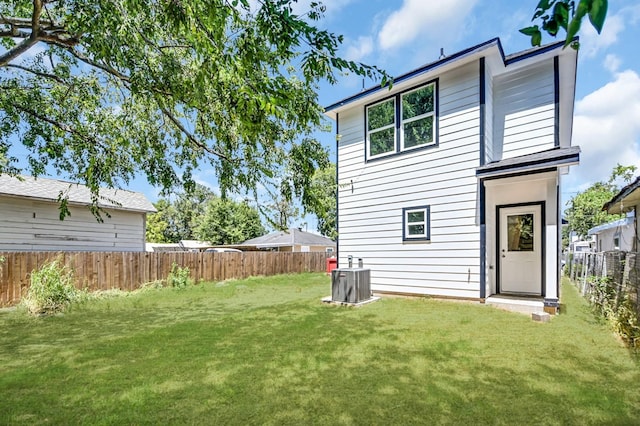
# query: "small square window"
[416,225]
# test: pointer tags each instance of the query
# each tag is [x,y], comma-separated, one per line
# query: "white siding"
[524,108]
[27,225]
[488,121]
[372,196]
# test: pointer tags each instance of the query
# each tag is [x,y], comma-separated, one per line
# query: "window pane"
[520,232]
[416,229]
[417,102]
[418,132]
[417,216]
[382,141]
[381,115]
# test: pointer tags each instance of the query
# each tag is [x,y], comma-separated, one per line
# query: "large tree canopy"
[105,90]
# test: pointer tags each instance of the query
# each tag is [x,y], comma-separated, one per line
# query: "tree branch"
[46,31]
[191,137]
[38,73]
[62,126]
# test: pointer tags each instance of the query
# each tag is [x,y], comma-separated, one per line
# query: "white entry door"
[520,249]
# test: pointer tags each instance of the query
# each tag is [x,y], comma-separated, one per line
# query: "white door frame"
[541,224]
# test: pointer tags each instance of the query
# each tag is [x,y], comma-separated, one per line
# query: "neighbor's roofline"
[507,60]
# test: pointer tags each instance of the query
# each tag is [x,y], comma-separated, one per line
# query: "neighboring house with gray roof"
[294,240]
[30,217]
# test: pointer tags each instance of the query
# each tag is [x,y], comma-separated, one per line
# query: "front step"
[523,305]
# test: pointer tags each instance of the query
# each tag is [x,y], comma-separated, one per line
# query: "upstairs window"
[417,117]
[381,128]
[406,121]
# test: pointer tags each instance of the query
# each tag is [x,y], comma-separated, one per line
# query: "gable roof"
[491,48]
[625,200]
[290,237]
[49,189]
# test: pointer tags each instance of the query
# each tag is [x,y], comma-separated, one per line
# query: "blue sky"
[401,35]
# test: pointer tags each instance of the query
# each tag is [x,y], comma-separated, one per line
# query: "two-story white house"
[449,183]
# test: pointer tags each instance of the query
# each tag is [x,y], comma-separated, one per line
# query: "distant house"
[616,235]
[625,201]
[450,181]
[294,240]
[30,217]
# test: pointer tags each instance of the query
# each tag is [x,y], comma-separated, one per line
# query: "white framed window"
[403,122]
[381,128]
[418,113]
[416,223]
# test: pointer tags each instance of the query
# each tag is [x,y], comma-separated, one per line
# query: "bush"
[179,277]
[616,305]
[51,290]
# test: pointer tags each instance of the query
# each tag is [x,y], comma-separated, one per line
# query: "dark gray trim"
[551,302]
[558,241]
[415,72]
[516,174]
[530,53]
[482,112]
[551,158]
[483,240]
[543,233]
[507,60]
[427,222]
[398,124]
[337,190]
[556,100]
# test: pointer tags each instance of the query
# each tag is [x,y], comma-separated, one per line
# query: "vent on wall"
[350,285]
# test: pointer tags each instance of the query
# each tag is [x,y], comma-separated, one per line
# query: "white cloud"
[591,42]
[607,128]
[359,49]
[417,18]
[612,63]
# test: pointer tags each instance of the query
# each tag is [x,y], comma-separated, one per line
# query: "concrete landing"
[523,305]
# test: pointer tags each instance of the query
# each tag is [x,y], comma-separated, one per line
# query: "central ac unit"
[350,285]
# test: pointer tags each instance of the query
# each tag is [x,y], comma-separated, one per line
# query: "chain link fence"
[611,282]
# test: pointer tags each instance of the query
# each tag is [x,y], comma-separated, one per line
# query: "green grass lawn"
[267,351]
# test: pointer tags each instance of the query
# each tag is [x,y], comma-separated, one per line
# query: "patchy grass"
[267,351]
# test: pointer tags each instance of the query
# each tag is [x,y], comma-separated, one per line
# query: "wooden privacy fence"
[129,270]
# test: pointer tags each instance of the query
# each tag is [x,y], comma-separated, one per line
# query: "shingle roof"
[626,199]
[49,190]
[550,158]
[290,237]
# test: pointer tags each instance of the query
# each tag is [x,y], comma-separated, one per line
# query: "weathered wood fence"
[130,270]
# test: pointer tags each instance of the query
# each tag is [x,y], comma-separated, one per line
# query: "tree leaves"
[164,88]
[557,14]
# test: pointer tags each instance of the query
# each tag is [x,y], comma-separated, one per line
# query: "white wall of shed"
[29,225]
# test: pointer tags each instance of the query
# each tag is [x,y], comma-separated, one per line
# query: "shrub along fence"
[611,282]
[130,270]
